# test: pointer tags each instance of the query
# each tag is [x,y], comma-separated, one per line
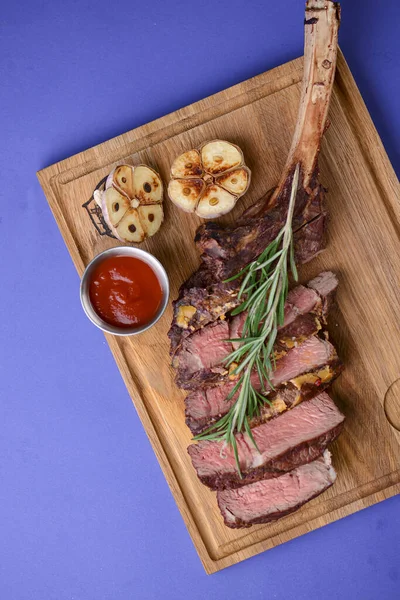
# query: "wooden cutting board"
[363,248]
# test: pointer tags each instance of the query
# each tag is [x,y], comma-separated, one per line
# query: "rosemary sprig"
[264,290]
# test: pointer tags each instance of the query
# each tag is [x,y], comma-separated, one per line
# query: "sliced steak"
[297,390]
[234,247]
[199,362]
[300,301]
[199,359]
[297,437]
[206,405]
[271,499]
[285,396]
[205,296]
[199,306]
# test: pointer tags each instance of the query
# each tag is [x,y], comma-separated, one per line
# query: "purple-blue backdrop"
[85,512]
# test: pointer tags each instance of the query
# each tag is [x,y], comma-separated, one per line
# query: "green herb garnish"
[264,290]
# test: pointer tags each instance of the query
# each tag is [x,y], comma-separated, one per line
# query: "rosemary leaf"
[265,287]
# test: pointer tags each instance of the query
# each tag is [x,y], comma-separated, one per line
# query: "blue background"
[85,512]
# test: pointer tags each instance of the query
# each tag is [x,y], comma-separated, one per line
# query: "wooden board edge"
[188,117]
[213,566]
[159,451]
[48,185]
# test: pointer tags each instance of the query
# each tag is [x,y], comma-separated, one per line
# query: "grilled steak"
[199,359]
[286,396]
[283,468]
[271,499]
[205,297]
[300,301]
[297,437]
[206,405]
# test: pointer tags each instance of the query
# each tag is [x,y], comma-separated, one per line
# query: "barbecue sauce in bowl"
[125,292]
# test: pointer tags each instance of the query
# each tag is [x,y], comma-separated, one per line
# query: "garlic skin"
[209,181]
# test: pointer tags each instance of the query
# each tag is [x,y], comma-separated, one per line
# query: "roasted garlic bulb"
[132,202]
[209,181]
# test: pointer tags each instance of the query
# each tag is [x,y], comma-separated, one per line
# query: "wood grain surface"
[363,249]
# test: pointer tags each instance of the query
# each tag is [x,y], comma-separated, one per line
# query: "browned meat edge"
[259,520]
[306,392]
[300,455]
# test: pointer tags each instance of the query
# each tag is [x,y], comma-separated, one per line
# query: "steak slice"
[200,358]
[206,405]
[271,499]
[297,437]
[228,249]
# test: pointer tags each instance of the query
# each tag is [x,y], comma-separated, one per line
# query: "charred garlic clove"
[114,205]
[122,179]
[130,228]
[236,181]
[215,202]
[151,218]
[185,193]
[209,181]
[147,185]
[219,156]
[187,165]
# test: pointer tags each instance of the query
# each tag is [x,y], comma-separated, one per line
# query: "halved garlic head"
[219,156]
[132,202]
[151,216]
[209,181]
[215,202]
[130,228]
[236,181]
[114,205]
[187,164]
[147,185]
[185,193]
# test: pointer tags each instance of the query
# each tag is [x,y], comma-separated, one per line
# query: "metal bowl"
[146,257]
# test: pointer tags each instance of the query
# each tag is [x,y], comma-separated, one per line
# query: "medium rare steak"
[300,301]
[206,405]
[204,297]
[271,499]
[281,468]
[286,396]
[297,437]
[199,359]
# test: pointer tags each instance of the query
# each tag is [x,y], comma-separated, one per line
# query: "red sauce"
[124,291]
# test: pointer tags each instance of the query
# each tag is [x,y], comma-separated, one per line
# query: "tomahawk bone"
[225,251]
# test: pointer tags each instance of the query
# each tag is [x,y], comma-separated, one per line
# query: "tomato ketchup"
[125,291]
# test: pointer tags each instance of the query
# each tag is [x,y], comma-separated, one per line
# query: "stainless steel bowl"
[146,257]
